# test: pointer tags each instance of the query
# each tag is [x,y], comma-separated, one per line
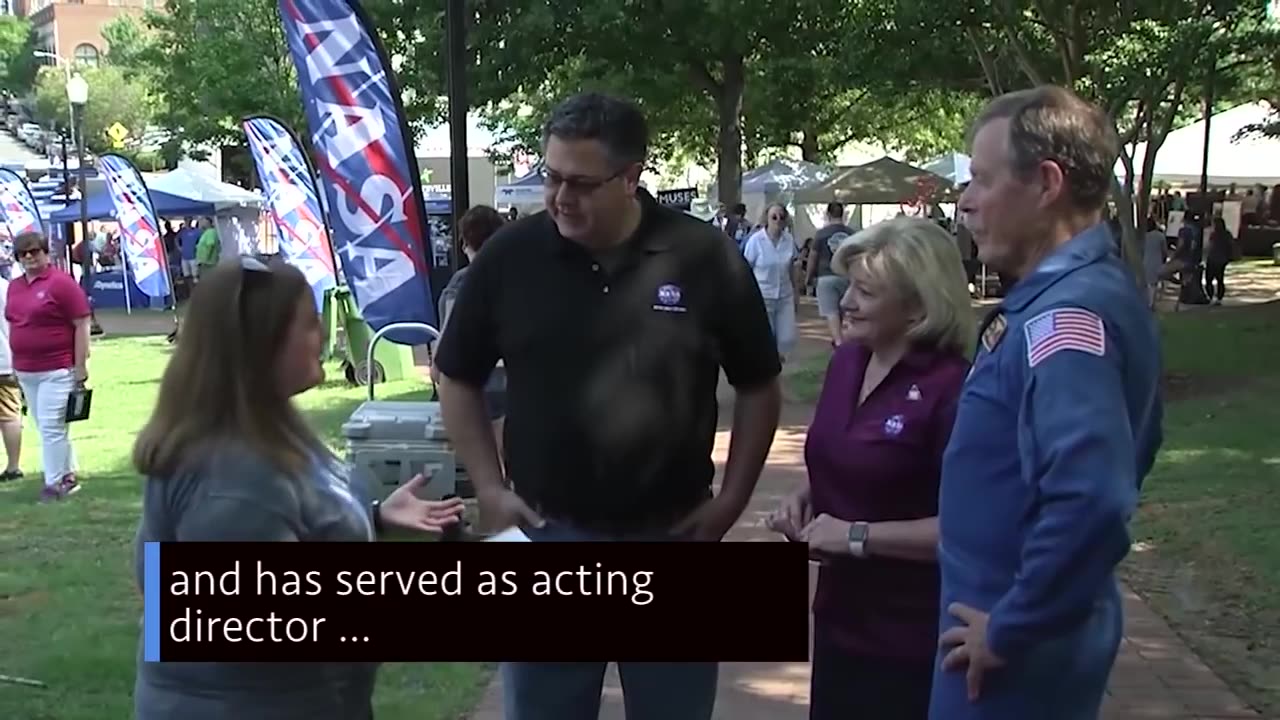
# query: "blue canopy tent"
[101,207]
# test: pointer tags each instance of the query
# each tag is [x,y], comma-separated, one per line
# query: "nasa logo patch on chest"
[669,297]
[894,425]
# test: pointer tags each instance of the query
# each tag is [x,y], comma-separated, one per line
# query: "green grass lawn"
[69,610]
[1207,538]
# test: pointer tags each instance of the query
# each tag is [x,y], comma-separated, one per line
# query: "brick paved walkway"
[1156,676]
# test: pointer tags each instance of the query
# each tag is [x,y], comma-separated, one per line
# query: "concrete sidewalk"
[1155,677]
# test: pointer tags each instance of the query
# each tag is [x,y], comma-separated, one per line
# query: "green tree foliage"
[113,98]
[221,60]
[1146,63]
[17,65]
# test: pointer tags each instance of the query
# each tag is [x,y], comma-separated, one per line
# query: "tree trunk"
[729,138]
[809,146]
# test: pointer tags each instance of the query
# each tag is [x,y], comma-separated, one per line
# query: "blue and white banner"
[292,201]
[364,155]
[139,231]
[21,214]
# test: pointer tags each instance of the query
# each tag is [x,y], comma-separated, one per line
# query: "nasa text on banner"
[364,156]
[292,200]
[20,211]
[139,231]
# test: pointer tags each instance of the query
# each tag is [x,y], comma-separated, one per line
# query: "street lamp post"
[66,67]
[78,96]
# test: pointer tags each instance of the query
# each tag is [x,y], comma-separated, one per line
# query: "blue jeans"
[571,691]
[1062,679]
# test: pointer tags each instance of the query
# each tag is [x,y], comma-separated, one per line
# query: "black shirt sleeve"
[468,348]
[748,351]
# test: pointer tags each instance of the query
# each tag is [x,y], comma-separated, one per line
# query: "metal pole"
[86,252]
[459,183]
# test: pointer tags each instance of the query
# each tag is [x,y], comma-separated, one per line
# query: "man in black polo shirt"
[613,317]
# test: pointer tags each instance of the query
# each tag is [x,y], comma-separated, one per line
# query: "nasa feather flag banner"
[364,155]
[293,202]
[139,230]
[21,214]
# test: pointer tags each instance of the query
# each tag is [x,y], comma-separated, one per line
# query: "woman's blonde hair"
[221,386]
[921,262]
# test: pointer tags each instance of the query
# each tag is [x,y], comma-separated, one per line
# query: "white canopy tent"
[522,193]
[953,166]
[238,211]
[777,181]
[199,181]
[1247,161]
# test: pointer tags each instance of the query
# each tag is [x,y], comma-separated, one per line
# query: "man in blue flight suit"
[1058,424]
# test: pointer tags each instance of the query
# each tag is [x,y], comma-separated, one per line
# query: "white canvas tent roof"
[781,174]
[953,166]
[1248,161]
[199,181]
[882,182]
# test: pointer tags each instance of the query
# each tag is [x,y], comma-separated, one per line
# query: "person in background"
[513,214]
[188,241]
[10,398]
[874,456]
[49,317]
[1154,245]
[1221,251]
[208,248]
[227,457]
[769,251]
[475,228]
[613,315]
[737,227]
[830,286]
[1057,426]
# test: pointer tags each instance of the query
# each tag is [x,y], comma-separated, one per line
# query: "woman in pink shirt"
[874,456]
[48,316]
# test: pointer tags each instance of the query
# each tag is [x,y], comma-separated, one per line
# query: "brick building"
[72,29]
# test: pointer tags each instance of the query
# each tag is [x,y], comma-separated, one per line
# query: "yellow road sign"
[117,133]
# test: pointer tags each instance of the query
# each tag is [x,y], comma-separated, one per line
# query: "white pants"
[190,268]
[46,393]
[782,318]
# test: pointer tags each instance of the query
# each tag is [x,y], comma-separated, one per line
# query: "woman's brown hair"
[478,224]
[220,388]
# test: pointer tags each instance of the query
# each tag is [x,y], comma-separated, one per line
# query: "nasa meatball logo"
[894,425]
[669,299]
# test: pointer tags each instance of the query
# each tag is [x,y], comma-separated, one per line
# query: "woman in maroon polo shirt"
[874,457]
[48,316]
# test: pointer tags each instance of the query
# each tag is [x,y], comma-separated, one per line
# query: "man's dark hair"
[1052,123]
[835,210]
[618,124]
[740,209]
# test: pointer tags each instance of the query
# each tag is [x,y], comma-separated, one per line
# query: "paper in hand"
[511,534]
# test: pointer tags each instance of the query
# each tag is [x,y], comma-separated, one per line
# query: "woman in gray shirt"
[227,457]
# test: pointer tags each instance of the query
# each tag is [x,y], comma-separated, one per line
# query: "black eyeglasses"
[29,251]
[576,185]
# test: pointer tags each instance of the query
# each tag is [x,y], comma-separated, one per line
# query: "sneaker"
[51,493]
[68,486]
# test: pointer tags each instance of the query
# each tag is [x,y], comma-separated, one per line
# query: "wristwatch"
[858,539]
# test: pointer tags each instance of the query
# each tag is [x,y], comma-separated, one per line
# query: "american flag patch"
[1064,329]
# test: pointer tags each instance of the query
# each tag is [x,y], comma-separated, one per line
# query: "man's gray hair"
[1052,123]
[618,124]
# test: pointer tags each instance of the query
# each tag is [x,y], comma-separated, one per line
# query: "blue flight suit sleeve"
[1078,458]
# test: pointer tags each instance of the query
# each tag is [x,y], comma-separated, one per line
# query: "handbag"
[79,402]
